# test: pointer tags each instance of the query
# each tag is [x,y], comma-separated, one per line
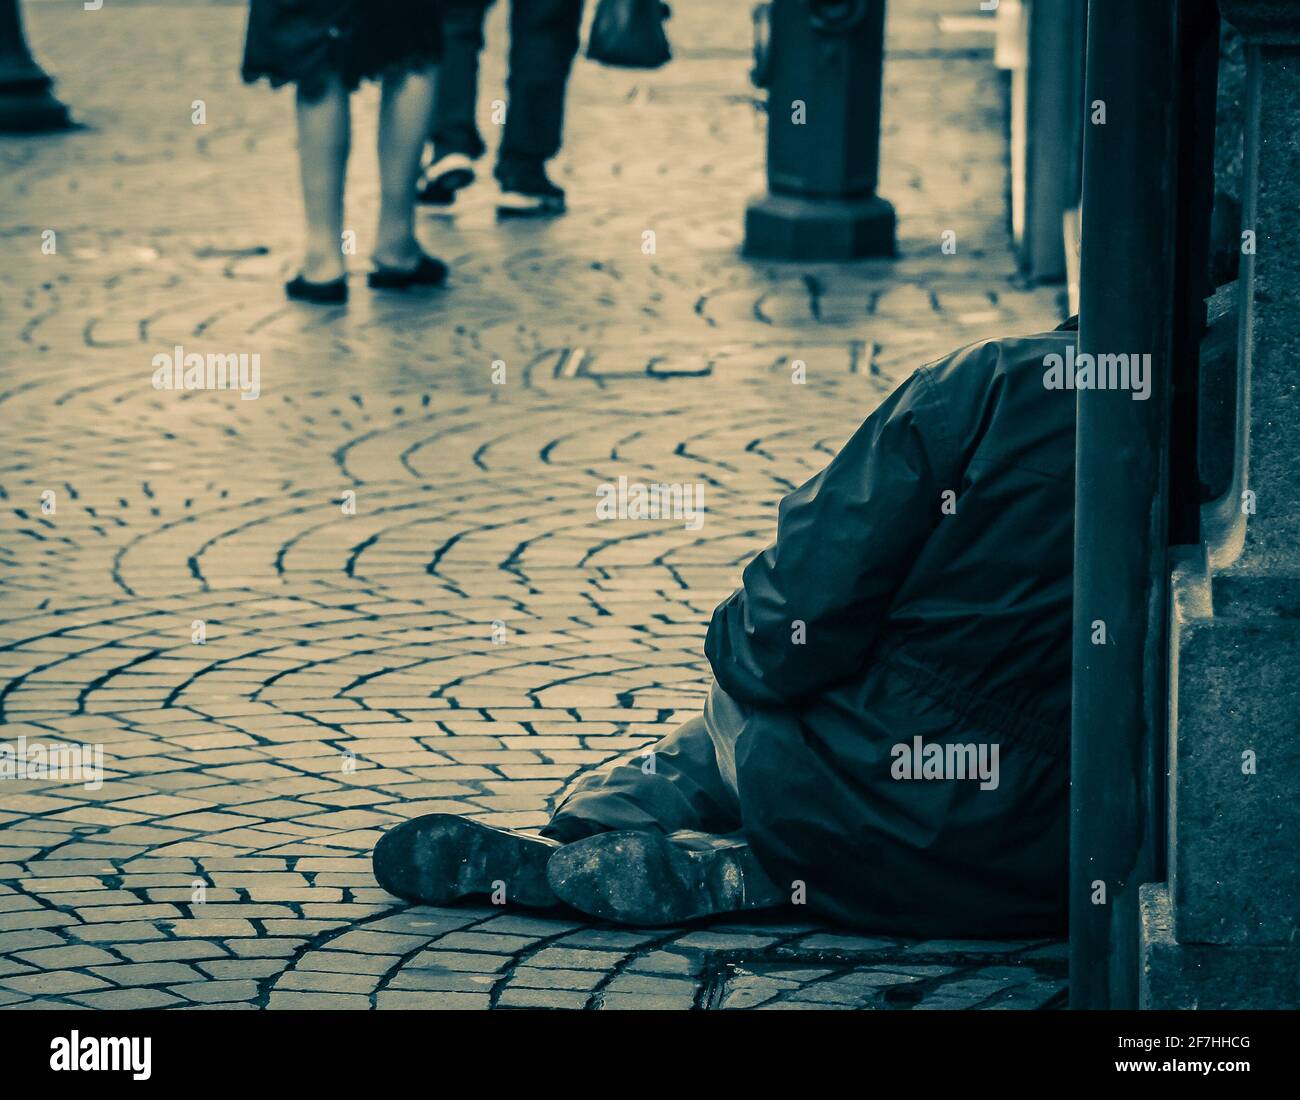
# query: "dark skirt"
[306,42]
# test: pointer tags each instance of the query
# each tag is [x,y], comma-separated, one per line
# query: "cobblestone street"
[472,637]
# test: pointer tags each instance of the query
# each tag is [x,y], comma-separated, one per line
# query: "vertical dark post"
[26,103]
[1053,127]
[1198,76]
[1127,306]
[824,72]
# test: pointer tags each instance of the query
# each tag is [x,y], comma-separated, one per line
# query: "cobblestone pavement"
[350,677]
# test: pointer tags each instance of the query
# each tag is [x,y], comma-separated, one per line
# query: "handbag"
[629,34]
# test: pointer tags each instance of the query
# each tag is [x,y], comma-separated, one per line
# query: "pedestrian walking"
[325,48]
[543,41]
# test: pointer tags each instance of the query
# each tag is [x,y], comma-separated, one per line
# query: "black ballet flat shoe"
[333,293]
[429,271]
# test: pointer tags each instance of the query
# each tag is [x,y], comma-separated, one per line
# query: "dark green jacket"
[919,586]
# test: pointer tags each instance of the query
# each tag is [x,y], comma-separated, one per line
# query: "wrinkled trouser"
[543,42]
[686,782]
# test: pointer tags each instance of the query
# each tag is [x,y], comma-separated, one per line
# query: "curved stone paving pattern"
[349,677]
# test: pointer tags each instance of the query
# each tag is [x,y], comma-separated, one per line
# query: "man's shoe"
[655,879]
[440,180]
[440,858]
[527,192]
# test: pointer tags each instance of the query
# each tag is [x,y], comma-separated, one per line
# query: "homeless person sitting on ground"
[887,736]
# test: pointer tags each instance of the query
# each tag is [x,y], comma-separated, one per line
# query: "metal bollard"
[26,102]
[821,61]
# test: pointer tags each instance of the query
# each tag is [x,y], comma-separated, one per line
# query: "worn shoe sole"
[440,858]
[516,204]
[648,879]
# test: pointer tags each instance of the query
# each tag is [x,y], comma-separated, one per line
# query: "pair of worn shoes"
[633,878]
[526,190]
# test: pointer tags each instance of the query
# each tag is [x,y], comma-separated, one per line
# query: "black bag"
[629,34]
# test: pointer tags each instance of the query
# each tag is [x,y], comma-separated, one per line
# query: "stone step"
[1208,976]
[1234,861]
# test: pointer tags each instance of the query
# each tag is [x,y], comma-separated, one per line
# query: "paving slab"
[275,678]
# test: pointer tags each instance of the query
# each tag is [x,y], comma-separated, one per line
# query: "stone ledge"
[1234,755]
[1271,22]
[1202,976]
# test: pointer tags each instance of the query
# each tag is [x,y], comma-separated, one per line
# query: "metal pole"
[1054,132]
[26,103]
[1127,306]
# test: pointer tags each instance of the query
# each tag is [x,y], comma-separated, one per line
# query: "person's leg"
[455,129]
[441,857]
[648,841]
[543,42]
[657,839]
[670,786]
[455,142]
[324,138]
[404,106]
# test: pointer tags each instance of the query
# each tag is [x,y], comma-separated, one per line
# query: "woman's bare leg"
[405,109]
[324,139]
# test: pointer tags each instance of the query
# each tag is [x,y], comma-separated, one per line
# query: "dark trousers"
[543,42]
[686,783]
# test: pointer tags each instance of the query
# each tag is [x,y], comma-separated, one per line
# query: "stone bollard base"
[31,110]
[792,227]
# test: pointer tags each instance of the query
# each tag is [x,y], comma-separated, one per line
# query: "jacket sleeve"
[811,605]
